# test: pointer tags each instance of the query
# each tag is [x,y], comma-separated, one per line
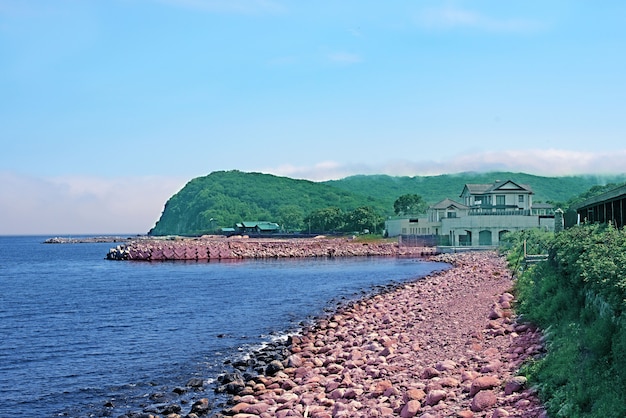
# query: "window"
[520,198]
[451,214]
[500,200]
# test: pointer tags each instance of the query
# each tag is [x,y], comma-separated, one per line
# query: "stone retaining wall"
[242,248]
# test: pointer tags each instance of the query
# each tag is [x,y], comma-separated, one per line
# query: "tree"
[362,218]
[325,220]
[409,204]
[290,217]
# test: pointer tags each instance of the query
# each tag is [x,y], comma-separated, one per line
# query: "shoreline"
[445,345]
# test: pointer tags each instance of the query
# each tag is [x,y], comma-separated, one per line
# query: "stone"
[410,409]
[435,396]
[483,400]
[500,413]
[515,384]
[429,373]
[200,406]
[274,367]
[195,382]
[483,383]
[415,394]
[445,365]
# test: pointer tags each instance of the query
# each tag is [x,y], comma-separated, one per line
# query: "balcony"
[498,210]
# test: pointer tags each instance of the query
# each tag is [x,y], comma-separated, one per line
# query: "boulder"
[200,407]
[410,409]
[515,384]
[435,396]
[483,383]
[483,400]
[274,367]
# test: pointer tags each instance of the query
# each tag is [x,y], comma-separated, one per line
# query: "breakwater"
[221,248]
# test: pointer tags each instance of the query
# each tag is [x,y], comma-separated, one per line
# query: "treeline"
[555,190]
[579,297]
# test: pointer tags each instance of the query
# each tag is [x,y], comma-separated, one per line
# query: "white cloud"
[448,17]
[129,205]
[82,205]
[550,162]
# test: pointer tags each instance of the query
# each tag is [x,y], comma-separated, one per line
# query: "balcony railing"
[499,212]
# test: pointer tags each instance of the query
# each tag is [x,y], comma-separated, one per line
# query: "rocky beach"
[447,345]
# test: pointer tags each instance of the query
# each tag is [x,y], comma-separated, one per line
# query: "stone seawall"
[217,248]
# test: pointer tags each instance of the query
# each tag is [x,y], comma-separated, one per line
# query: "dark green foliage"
[436,188]
[229,197]
[409,204]
[578,297]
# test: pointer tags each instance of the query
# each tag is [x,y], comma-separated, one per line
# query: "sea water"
[83,336]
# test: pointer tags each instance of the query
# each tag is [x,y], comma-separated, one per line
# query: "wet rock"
[274,367]
[200,407]
[195,382]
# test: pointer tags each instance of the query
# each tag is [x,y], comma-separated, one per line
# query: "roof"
[496,186]
[261,225]
[616,193]
[542,206]
[447,203]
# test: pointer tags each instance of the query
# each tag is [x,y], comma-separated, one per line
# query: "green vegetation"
[224,198]
[435,188]
[579,297]
[409,204]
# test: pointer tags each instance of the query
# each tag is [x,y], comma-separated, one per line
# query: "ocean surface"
[82,336]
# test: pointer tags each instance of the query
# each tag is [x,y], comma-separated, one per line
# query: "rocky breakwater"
[449,345]
[221,248]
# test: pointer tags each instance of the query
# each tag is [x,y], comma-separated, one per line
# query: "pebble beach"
[448,345]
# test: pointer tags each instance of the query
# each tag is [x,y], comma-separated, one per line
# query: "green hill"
[435,188]
[224,198]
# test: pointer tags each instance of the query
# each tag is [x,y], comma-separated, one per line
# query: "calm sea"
[78,331]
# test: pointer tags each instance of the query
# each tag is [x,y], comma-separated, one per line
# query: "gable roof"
[447,203]
[496,186]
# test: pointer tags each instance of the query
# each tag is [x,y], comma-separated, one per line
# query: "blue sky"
[108,107]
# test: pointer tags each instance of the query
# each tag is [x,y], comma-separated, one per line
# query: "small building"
[486,213]
[606,207]
[257,227]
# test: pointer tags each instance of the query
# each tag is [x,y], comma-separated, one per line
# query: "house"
[257,227]
[486,212]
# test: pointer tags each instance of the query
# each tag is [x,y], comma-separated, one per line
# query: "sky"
[108,107]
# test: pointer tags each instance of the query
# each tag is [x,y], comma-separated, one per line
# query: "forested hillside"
[436,188]
[224,198]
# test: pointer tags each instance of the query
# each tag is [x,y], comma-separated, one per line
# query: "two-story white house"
[485,213]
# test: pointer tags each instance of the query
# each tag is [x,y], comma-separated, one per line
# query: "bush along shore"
[221,248]
[447,345]
[579,295]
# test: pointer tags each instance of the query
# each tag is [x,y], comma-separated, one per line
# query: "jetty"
[222,248]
